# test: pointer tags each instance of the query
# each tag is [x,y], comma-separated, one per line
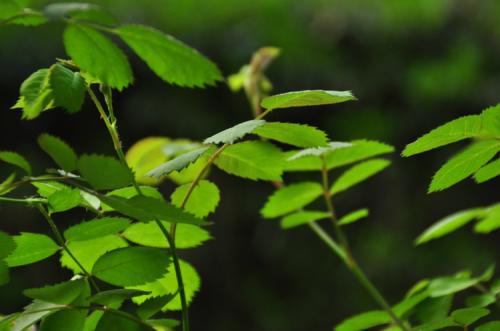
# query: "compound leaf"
[172,60]
[59,151]
[290,198]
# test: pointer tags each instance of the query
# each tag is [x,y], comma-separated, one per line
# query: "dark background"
[413,65]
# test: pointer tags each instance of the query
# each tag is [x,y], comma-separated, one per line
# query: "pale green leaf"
[97,55]
[448,224]
[489,221]
[31,248]
[253,160]
[464,164]
[87,252]
[59,151]
[467,316]
[64,200]
[96,228]
[488,171]
[68,88]
[104,172]
[358,173]
[292,134]
[292,197]
[202,201]
[168,285]
[149,234]
[36,94]
[169,58]
[229,136]
[364,321]
[353,216]
[306,98]
[131,266]
[62,293]
[15,159]
[178,163]
[302,217]
[448,285]
[453,131]
[144,209]
[146,155]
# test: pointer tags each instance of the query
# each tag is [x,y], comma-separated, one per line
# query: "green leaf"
[490,221]
[293,134]
[114,322]
[290,198]
[364,321]
[229,136]
[464,164]
[302,217]
[407,304]
[359,150]
[448,285]
[437,325]
[353,216]
[64,200]
[490,326]
[6,186]
[168,285]
[29,17]
[202,201]
[448,224]
[178,163]
[87,252]
[104,172]
[163,324]
[253,160]
[15,159]
[59,151]
[9,8]
[453,131]
[358,173]
[131,266]
[467,316]
[96,228]
[62,293]
[32,314]
[488,171]
[36,94]
[152,306]
[68,88]
[491,121]
[480,300]
[67,319]
[114,297]
[97,55]
[144,209]
[306,98]
[7,245]
[172,60]
[434,309]
[4,277]
[81,11]
[149,234]
[31,248]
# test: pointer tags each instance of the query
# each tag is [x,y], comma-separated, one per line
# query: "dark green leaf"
[68,88]
[293,134]
[97,55]
[467,316]
[59,151]
[364,321]
[36,94]
[306,98]
[170,59]
[490,326]
[114,322]
[64,200]
[33,313]
[7,244]
[64,320]
[434,309]
[114,297]
[62,293]
[96,228]
[152,306]
[131,266]
[480,300]
[104,172]
[253,160]
[4,276]
[290,198]
[31,248]
[15,159]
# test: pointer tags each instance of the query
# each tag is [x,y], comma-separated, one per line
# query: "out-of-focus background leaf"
[413,64]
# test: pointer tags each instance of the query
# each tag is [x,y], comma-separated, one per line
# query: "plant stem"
[170,237]
[62,242]
[348,257]
[27,201]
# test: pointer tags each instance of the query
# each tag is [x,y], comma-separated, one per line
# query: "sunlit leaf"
[488,171]
[302,217]
[96,228]
[290,198]
[31,248]
[299,135]
[306,98]
[229,136]
[467,316]
[202,201]
[358,173]
[353,216]
[15,159]
[68,88]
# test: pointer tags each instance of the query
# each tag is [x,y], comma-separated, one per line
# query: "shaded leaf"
[33,313]
[7,244]
[467,316]
[59,151]
[62,293]
[178,163]
[299,135]
[290,198]
[152,306]
[302,217]
[490,326]
[96,228]
[114,322]
[31,248]
[67,319]
[104,172]
[114,297]
[306,98]
[229,136]
[358,173]
[68,88]
[15,159]
[172,60]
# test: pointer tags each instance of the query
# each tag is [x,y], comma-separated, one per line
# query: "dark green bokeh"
[412,64]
